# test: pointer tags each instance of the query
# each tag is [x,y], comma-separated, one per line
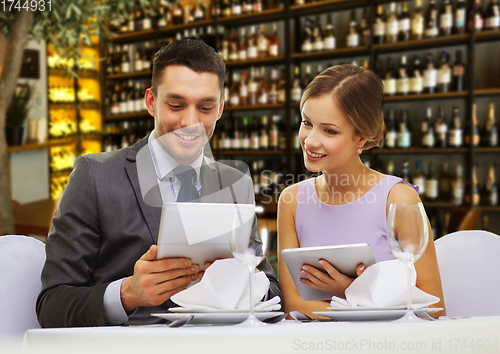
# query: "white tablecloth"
[481,334]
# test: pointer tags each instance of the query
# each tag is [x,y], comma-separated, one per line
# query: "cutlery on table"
[181,321]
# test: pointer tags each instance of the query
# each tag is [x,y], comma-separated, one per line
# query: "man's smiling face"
[186,107]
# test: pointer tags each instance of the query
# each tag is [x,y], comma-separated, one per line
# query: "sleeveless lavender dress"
[363,220]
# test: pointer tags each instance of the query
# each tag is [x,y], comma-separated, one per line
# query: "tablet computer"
[345,258]
[201,231]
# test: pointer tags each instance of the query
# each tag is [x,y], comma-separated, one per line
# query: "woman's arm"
[428,277]
[287,238]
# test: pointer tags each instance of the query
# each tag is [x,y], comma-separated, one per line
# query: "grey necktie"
[188,192]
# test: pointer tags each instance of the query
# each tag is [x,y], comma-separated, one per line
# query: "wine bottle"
[431,184]
[405,171]
[403,79]
[264,133]
[416,78]
[445,183]
[490,132]
[379,26]
[125,60]
[262,42]
[490,193]
[446,18]
[418,179]
[307,37]
[430,75]
[441,128]
[476,17]
[390,79]
[254,134]
[353,32]
[234,93]
[472,136]
[472,194]
[391,132]
[444,73]
[243,89]
[404,24]
[458,71]
[252,88]
[242,45]
[236,7]
[274,133]
[307,76]
[296,86]
[492,15]
[245,135]
[252,50]
[233,45]
[274,42]
[455,132]
[365,27]
[391,25]
[460,16]
[317,36]
[417,21]
[431,20]
[427,130]
[457,186]
[329,34]
[404,131]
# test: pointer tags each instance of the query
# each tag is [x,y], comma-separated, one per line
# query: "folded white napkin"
[384,284]
[225,286]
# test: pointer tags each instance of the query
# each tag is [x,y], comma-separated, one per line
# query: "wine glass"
[248,248]
[407,236]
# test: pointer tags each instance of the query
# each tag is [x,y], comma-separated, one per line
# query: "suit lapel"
[151,209]
[211,188]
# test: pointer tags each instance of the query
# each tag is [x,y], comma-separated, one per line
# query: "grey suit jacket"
[103,226]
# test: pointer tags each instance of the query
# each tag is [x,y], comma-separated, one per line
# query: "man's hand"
[155,281]
[332,281]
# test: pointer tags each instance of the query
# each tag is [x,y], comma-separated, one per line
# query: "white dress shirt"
[169,189]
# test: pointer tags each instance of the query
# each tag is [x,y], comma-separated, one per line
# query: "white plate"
[197,310]
[369,315]
[403,307]
[217,317]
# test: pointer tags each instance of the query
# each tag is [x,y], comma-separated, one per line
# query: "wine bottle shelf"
[416,150]
[259,61]
[326,6]
[255,17]
[444,41]
[254,108]
[124,116]
[427,96]
[133,75]
[57,174]
[331,54]
[487,92]
[487,150]
[486,36]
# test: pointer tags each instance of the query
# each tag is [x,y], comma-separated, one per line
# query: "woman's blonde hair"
[359,94]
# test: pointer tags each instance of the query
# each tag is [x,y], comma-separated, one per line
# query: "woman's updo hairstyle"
[358,93]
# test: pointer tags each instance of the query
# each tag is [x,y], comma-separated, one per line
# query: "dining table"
[447,335]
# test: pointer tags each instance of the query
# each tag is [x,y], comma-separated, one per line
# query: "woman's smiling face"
[327,137]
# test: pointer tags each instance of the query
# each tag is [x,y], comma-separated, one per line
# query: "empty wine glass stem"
[250,289]
[409,266]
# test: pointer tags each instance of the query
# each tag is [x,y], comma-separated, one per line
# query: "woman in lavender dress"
[341,116]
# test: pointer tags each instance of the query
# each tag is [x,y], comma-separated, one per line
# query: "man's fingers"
[150,255]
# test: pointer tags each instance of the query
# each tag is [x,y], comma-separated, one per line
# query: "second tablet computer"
[345,258]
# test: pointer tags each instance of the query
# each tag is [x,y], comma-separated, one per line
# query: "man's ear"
[149,99]
[221,107]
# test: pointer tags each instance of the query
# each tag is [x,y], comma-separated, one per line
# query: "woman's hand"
[332,281]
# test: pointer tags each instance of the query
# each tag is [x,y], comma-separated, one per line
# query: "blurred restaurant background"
[439,61]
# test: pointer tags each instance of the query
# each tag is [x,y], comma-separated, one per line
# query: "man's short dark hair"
[191,53]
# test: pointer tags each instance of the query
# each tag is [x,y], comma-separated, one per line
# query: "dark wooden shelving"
[132,75]
[487,150]
[427,96]
[254,108]
[331,54]
[418,150]
[254,17]
[259,61]
[486,36]
[123,116]
[487,92]
[443,41]
[40,146]
[326,6]
[440,204]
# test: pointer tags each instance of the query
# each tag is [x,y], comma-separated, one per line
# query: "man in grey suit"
[101,266]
